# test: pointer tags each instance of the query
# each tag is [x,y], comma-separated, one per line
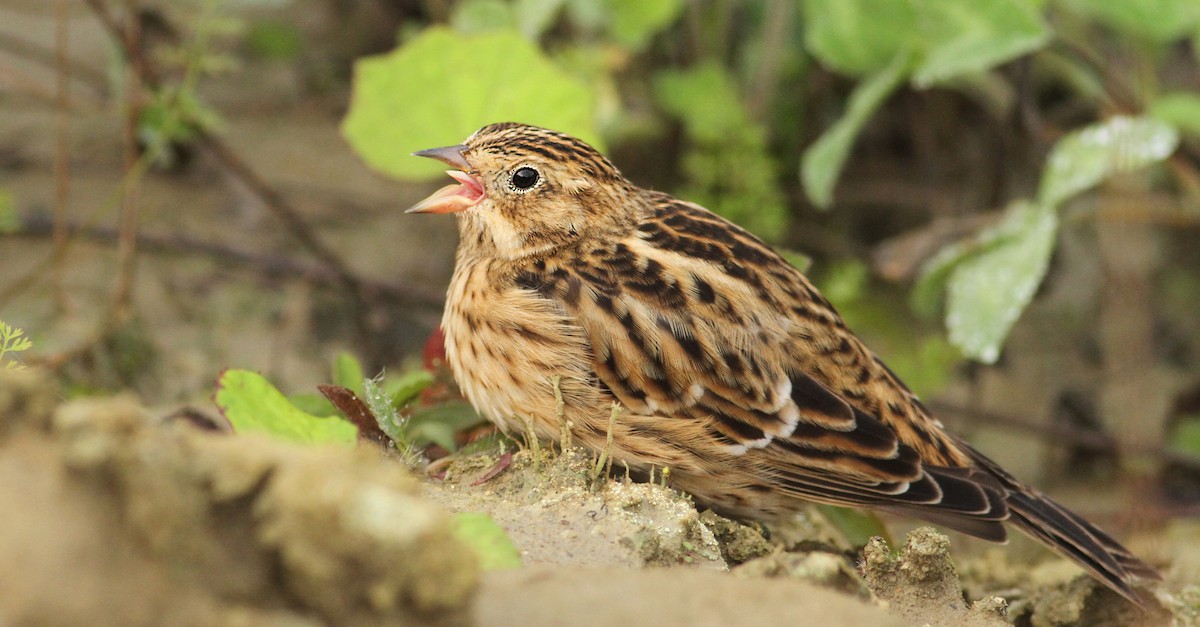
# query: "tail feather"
[1076,539]
[1071,536]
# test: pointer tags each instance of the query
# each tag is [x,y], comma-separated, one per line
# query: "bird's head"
[527,190]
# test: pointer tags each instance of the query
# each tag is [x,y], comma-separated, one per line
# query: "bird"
[730,368]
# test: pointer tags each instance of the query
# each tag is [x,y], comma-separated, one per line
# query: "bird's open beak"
[455,197]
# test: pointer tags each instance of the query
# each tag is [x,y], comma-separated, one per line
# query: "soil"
[114,517]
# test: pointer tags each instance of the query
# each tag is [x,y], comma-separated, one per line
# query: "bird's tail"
[1072,537]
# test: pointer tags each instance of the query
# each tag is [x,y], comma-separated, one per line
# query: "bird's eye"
[524,178]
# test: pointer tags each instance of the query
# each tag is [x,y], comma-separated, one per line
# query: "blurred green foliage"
[274,40]
[757,108]
[455,80]
[727,167]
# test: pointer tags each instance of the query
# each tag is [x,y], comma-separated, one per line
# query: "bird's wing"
[690,317]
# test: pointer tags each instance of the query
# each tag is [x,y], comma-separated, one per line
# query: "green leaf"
[930,287]
[634,22]
[274,40]
[858,37]
[403,389]
[535,16]
[823,161]
[972,37]
[253,405]
[857,526]
[438,424]
[1179,109]
[1158,20]
[10,222]
[987,291]
[491,544]
[1087,156]
[480,16]
[441,86]
[314,404]
[1185,437]
[348,372]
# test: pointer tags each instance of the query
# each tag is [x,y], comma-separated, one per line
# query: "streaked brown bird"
[732,369]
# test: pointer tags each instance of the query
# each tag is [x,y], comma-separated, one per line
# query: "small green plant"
[376,407]
[12,341]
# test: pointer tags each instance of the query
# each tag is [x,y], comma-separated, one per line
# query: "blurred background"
[1001,197]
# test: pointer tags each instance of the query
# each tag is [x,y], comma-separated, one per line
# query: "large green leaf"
[823,161]
[987,292]
[1157,20]
[252,404]
[1087,156]
[858,37]
[969,37]
[442,85]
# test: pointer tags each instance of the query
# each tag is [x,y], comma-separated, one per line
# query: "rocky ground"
[115,517]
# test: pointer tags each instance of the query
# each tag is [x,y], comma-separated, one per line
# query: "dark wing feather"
[690,318]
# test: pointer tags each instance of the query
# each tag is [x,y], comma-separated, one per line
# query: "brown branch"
[62,131]
[284,212]
[127,220]
[270,266]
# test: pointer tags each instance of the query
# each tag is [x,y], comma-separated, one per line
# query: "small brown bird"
[732,369]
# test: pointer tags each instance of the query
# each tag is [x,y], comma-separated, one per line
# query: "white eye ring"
[524,178]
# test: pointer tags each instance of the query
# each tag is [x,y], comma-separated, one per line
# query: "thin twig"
[282,210]
[127,221]
[271,266]
[62,163]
